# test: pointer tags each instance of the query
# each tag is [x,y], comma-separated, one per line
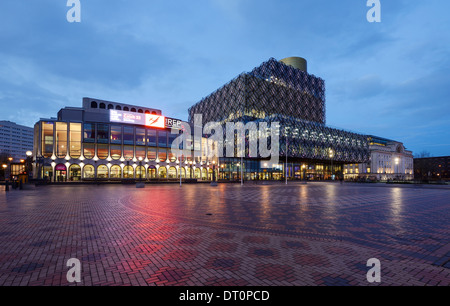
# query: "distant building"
[432,168]
[15,140]
[389,160]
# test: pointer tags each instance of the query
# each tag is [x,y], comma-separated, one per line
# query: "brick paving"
[255,235]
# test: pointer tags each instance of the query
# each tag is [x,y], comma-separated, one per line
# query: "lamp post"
[286,166]
[397,160]
[240,170]
[4,166]
[140,168]
[140,184]
[214,183]
[304,173]
[29,167]
[190,170]
[331,155]
[10,159]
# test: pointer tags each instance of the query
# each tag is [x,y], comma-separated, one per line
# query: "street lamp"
[140,168]
[214,183]
[4,173]
[140,184]
[331,155]
[397,161]
[10,166]
[28,166]
[239,171]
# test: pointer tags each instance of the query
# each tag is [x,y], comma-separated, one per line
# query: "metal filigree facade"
[314,141]
[270,89]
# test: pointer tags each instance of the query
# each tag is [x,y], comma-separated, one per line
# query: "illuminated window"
[47,139]
[75,172]
[197,173]
[88,172]
[102,172]
[116,172]
[75,140]
[89,132]
[172,157]
[102,151]
[172,173]
[89,150]
[151,138]
[140,172]
[140,137]
[140,152]
[61,139]
[128,152]
[116,152]
[128,172]
[152,172]
[162,172]
[116,134]
[151,154]
[162,155]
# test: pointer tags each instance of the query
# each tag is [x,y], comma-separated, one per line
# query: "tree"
[422,154]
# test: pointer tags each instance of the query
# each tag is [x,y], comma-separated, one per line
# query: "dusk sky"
[390,79]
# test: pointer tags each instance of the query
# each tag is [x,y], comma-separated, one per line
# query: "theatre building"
[106,140]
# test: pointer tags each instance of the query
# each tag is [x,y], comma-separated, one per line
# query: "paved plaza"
[230,235]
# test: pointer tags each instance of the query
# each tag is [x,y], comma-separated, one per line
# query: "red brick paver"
[277,235]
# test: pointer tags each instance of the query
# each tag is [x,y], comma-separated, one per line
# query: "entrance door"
[61,173]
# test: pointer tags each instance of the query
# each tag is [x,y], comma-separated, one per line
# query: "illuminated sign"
[149,120]
[155,121]
[126,117]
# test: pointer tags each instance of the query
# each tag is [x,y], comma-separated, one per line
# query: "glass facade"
[75,140]
[116,134]
[89,132]
[61,139]
[47,139]
[102,133]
